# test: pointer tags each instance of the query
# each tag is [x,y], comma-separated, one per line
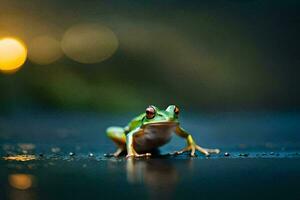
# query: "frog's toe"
[202,150]
[118,152]
[177,153]
[129,155]
[136,155]
[185,149]
[214,151]
[193,150]
[147,154]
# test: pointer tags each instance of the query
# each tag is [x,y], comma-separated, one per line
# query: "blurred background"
[114,58]
[71,68]
[120,56]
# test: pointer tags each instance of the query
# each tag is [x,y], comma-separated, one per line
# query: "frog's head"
[153,115]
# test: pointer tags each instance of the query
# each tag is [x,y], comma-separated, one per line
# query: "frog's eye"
[150,112]
[176,110]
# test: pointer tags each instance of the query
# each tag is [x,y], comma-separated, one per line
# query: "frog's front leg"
[117,134]
[191,144]
[130,143]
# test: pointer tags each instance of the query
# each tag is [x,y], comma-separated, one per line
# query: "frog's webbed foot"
[136,155]
[133,154]
[194,147]
[191,144]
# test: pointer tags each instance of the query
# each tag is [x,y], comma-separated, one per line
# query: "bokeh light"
[13,54]
[21,158]
[44,50]
[21,181]
[89,43]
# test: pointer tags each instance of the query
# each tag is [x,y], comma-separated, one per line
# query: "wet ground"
[60,156]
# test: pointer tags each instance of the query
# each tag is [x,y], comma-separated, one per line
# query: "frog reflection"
[160,176]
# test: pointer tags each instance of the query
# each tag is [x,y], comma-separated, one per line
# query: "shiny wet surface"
[62,157]
[238,176]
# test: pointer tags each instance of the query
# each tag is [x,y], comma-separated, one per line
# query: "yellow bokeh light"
[13,54]
[22,158]
[89,43]
[20,181]
[44,50]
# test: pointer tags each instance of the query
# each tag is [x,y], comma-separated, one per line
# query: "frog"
[151,130]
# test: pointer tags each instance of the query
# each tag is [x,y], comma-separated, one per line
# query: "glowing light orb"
[13,54]
[44,50]
[89,43]
[21,181]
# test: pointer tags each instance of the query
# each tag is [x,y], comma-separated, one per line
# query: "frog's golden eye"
[176,110]
[150,112]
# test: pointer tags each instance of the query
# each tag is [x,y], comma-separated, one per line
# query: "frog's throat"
[162,123]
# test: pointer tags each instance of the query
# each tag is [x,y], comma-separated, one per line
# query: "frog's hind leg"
[117,135]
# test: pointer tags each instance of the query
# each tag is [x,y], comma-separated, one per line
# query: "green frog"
[151,130]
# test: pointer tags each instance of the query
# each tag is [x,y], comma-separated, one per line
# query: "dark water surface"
[64,159]
[83,177]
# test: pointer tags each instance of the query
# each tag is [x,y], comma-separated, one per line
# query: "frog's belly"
[153,137]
